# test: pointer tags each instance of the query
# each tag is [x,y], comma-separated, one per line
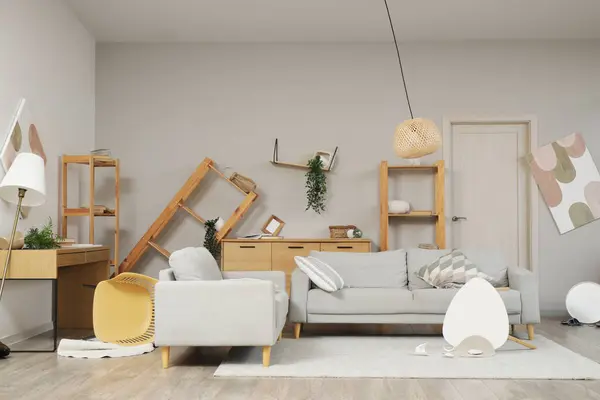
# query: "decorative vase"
[219,224]
[398,207]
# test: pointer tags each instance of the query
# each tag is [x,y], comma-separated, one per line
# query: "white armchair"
[231,312]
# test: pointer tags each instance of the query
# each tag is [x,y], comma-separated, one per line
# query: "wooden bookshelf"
[436,215]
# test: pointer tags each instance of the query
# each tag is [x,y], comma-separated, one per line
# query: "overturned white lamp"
[24,185]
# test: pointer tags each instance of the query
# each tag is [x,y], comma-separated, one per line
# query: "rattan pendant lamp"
[416,137]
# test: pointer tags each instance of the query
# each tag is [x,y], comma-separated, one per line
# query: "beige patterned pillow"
[449,271]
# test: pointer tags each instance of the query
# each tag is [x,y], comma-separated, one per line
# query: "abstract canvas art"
[22,137]
[568,180]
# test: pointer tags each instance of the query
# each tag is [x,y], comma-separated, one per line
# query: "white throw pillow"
[194,264]
[320,273]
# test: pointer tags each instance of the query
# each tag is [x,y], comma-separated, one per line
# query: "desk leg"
[55,312]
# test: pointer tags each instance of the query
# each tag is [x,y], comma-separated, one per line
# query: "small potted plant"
[210,238]
[316,185]
[42,239]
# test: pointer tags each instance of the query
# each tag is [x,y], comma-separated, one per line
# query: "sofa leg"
[266,355]
[530,333]
[165,351]
[297,329]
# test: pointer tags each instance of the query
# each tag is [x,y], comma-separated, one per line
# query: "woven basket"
[244,183]
[416,138]
[340,231]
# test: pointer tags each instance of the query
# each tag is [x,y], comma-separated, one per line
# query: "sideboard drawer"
[247,256]
[282,257]
[346,247]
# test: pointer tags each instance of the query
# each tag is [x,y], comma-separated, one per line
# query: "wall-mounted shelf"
[275,160]
[415,214]
[437,214]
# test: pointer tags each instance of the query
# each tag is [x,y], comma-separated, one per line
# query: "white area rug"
[97,349]
[382,357]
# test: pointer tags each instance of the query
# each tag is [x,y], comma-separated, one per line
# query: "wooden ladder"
[148,240]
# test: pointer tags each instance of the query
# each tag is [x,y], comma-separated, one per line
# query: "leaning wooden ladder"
[178,202]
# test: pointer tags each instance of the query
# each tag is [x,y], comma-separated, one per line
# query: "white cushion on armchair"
[194,264]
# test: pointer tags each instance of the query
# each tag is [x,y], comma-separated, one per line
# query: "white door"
[489,189]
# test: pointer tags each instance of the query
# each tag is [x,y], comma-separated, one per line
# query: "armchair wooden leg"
[280,337]
[266,355]
[297,329]
[530,331]
[165,351]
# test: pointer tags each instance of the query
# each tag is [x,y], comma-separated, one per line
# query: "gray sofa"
[384,288]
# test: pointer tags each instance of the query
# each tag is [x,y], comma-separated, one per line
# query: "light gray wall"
[47,58]
[163,108]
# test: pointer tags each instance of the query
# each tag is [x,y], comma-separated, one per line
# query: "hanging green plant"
[316,185]
[44,238]
[210,238]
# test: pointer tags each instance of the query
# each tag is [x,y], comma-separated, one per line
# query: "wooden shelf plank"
[294,165]
[83,212]
[227,179]
[415,214]
[159,249]
[413,167]
[99,161]
[192,213]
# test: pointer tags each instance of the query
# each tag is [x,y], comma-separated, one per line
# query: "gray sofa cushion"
[360,301]
[436,301]
[368,270]
[417,258]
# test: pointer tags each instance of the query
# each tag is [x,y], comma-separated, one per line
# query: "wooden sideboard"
[278,254]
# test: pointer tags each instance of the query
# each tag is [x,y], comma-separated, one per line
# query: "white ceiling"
[336,20]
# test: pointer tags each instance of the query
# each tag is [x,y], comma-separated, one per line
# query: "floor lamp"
[24,185]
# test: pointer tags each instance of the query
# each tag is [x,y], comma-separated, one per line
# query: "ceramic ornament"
[583,302]
[398,207]
[477,310]
[219,224]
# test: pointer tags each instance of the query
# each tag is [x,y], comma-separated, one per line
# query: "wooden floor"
[45,376]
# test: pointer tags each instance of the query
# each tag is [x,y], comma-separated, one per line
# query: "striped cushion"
[320,273]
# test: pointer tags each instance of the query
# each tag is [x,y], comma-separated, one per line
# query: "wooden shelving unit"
[92,162]
[275,160]
[148,240]
[436,215]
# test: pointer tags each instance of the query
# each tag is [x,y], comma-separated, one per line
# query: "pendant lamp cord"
[399,59]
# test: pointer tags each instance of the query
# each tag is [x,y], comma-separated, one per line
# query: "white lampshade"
[26,172]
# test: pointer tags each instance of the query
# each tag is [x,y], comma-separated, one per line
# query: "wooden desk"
[74,273]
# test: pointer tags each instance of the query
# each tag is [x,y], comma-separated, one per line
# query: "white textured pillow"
[320,273]
[194,264]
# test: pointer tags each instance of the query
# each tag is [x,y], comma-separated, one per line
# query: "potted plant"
[316,185]
[210,238]
[42,239]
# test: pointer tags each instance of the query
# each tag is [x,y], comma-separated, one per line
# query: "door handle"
[455,218]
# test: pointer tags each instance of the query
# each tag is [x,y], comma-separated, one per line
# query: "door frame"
[533,198]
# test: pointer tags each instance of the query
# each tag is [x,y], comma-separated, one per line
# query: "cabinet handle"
[295,247]
[247,247]
[345,247]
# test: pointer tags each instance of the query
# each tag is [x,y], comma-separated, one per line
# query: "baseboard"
[29,333]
